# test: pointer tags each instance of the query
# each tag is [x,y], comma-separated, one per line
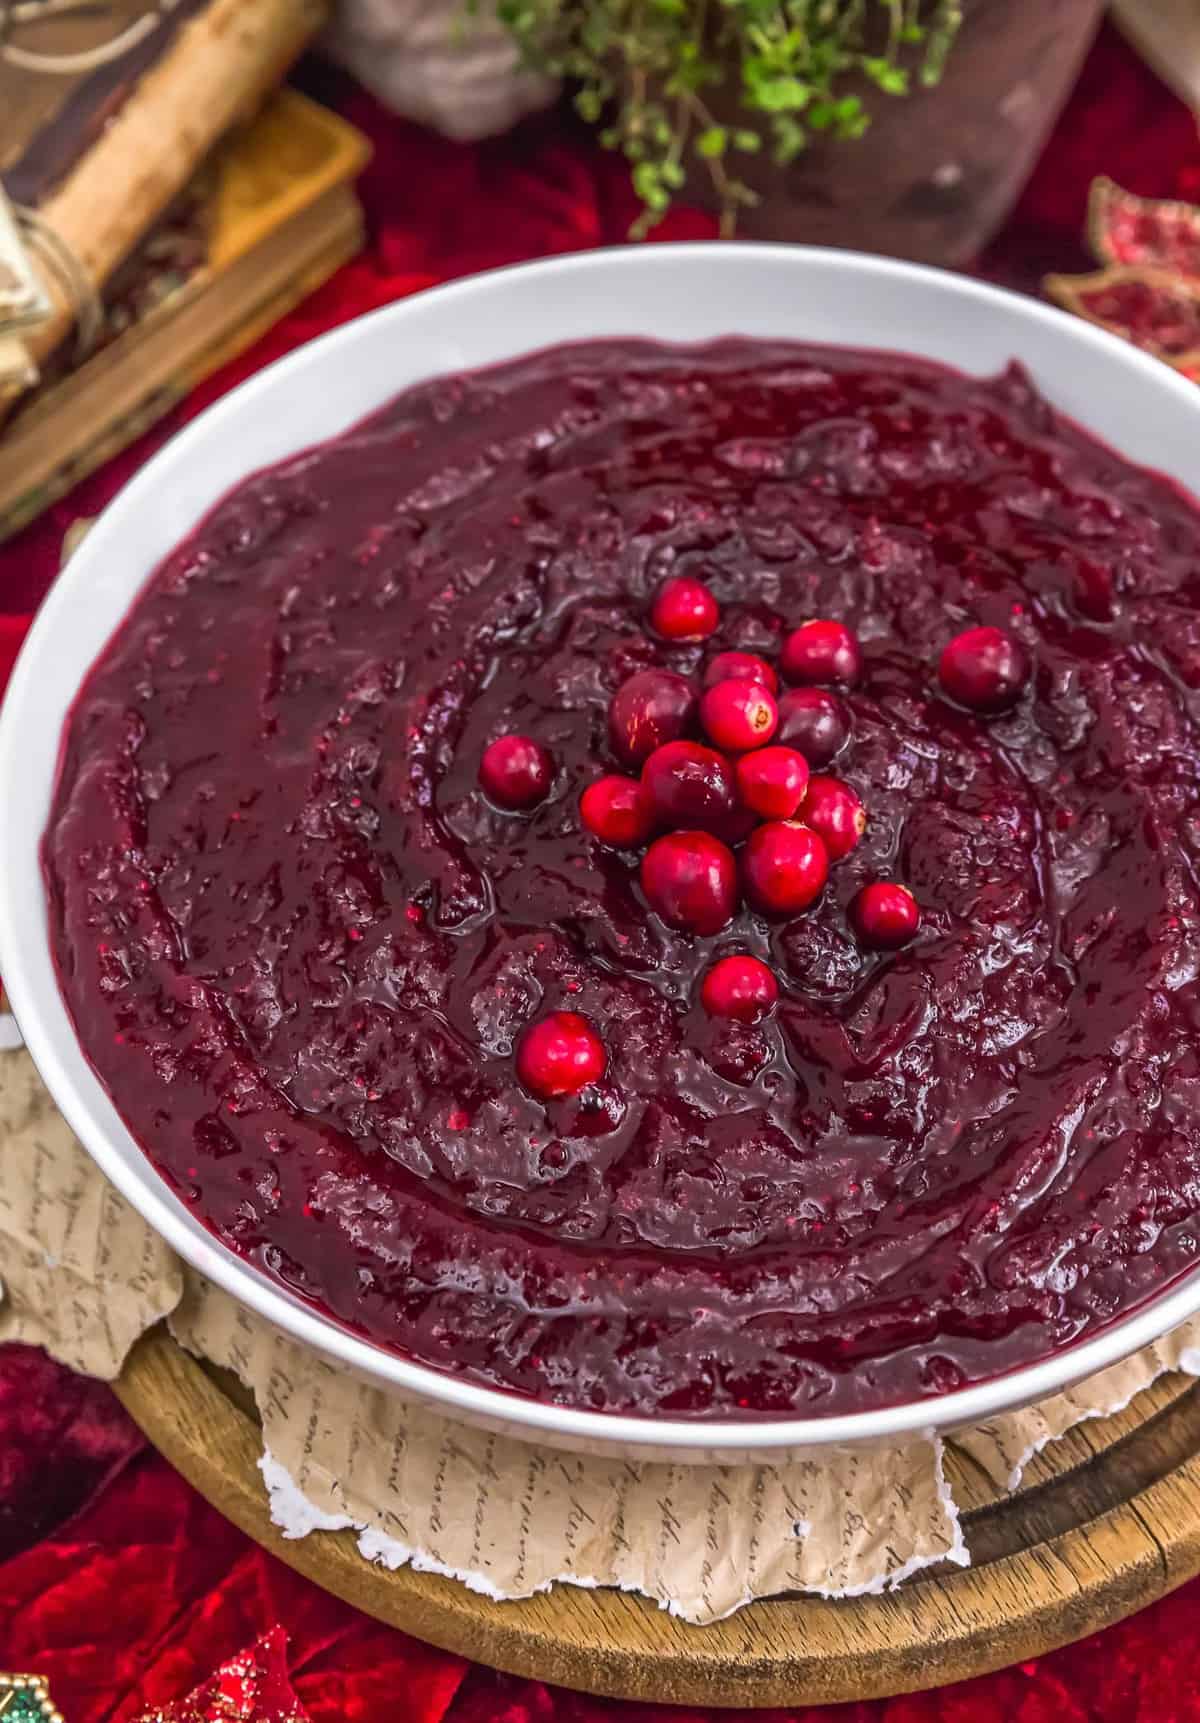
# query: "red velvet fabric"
[116,1580]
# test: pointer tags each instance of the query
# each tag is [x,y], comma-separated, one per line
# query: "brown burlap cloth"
[84,1276]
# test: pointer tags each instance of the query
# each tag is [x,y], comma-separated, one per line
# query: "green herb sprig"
[642,69]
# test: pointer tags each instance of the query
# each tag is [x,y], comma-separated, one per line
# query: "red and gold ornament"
[252,1687]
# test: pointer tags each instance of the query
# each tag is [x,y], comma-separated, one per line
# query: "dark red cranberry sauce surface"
[302,946]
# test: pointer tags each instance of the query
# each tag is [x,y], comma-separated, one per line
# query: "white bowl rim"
[141,1184]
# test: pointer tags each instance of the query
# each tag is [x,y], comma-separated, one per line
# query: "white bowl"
[673,293]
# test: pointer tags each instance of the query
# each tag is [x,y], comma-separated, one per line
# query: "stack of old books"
[162,202]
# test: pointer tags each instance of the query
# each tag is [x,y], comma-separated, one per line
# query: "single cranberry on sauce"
[652,707]
[784,867]
[559,1055]
[515,772]
[684,609]
[690,880]
[689,785]
[741,988]
[833,810]
[885,915]
[617,811]
[739,715]
[740,667]
[772,781]
[821,652]
[984,669]
[815,722]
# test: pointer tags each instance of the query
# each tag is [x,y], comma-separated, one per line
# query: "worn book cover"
[107,110]
[269,216]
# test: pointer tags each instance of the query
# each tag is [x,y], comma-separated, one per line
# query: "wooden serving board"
[1107,1521]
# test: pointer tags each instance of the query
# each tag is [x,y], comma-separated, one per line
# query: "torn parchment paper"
[509,1519]
[84,1276]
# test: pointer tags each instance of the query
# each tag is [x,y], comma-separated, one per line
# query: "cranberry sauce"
[301,945]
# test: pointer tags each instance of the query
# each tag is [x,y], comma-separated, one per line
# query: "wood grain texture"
[1108,1521]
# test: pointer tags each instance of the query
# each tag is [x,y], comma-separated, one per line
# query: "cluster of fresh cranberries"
[756,782]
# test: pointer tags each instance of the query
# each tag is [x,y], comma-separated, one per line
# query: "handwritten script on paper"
[84,1276]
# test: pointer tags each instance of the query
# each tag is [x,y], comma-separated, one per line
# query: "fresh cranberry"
[984,669]
[821,652]
[690,880]
[559,1055]
[885,914]
[740,667]
[815,722]
[772,781]
[737,828]
[684,609]
[784,867]
[652,707]
[739,715]
[739,987]
[617,811]
[515,772]
[834,812]
[688,785]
